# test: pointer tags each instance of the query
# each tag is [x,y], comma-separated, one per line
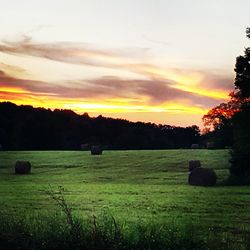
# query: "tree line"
[26,128]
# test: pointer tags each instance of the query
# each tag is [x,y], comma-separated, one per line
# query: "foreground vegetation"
[145,191]
[103,232]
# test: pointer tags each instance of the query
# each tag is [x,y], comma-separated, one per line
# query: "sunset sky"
[162,61]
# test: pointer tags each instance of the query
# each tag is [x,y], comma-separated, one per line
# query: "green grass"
[104,233]
[144,186]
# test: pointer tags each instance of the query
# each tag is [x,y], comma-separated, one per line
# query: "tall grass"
[63,230]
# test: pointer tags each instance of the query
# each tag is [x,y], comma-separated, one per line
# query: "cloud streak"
[69,52]
[209,84]
[152,92]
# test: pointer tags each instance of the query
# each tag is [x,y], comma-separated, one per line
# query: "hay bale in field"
[85,147]
[195,146]
[210,145]
[202,177]
[22,167]
[96,150]
[192,164]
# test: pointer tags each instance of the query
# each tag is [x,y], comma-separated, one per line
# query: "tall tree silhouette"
[240,167]
[232,120]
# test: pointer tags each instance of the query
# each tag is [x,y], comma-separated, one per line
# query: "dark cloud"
[34,87]
[157,92]
[215,81]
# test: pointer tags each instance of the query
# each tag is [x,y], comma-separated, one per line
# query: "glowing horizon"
[149,61]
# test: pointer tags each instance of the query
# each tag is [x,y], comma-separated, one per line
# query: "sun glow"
[110,106]
[186,81]
[103,108]
[217,94]
[15,90]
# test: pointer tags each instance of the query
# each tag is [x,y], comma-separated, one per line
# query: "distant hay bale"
[22,167]
[85,147]
[210,145]
[228,147]
[202,177]
[195,146]
[96,150]
[192,164]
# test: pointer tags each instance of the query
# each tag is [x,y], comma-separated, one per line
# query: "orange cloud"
[147,92]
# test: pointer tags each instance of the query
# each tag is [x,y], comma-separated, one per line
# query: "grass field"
[133,185]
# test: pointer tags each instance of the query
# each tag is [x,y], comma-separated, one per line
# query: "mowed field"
[132,185]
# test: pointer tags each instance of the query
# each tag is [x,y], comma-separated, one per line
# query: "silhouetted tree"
[27,128]
[240,167]
[232,120]
[219,125]
[248,32]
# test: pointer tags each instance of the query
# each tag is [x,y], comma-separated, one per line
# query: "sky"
[161,61]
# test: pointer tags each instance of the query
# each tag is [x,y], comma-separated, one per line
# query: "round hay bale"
[195,146]
[85,147]
[193,164]
[96,150]
[202,177]
[210,145]
[22,167]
